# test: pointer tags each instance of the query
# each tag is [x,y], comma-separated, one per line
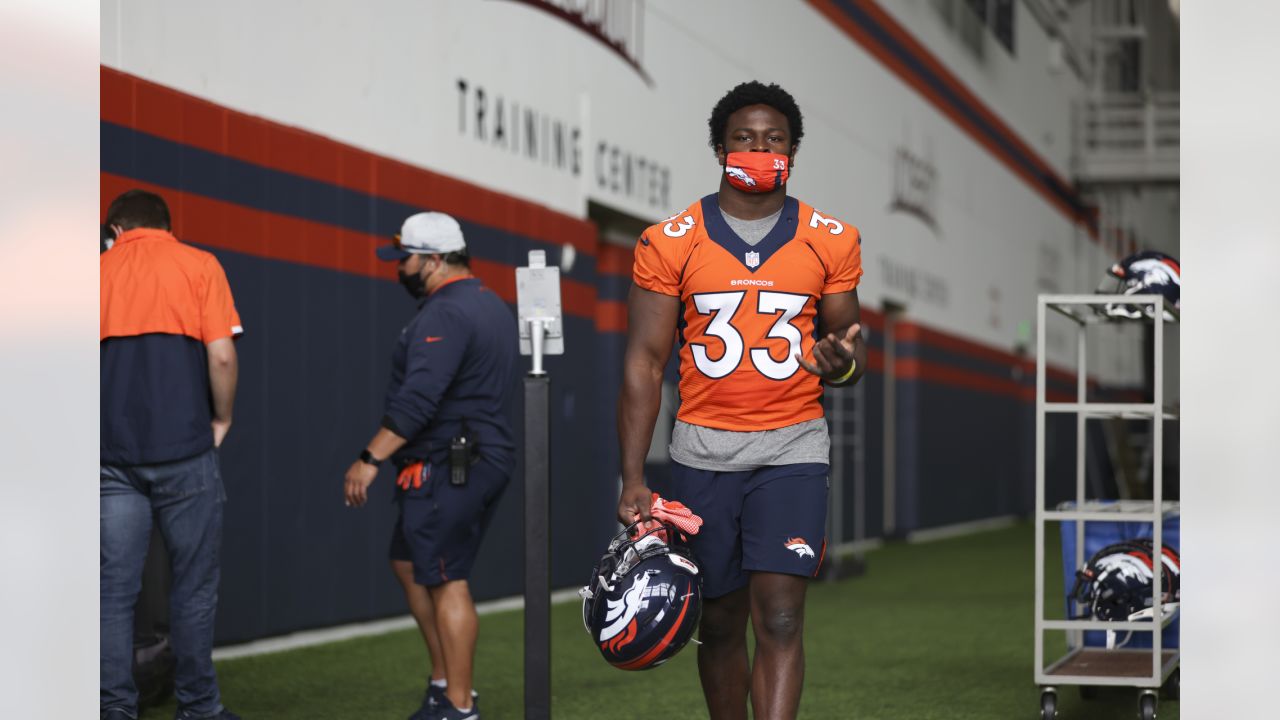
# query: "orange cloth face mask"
[756,172]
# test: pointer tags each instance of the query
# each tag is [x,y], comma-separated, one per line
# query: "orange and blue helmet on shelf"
[1149,272]
[1116,583]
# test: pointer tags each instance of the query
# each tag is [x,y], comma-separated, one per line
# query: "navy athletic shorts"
[771,519]
[439,526]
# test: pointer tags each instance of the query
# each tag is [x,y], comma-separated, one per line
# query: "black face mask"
[414,284]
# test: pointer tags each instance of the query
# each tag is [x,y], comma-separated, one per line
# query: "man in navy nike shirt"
[446,430]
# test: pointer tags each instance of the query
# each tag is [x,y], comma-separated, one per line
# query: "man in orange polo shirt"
[168,373]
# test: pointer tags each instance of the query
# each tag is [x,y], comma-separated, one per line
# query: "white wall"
[1030,96]
[385,77]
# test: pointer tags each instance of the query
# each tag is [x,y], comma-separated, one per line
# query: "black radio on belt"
[459,460]
[462,455]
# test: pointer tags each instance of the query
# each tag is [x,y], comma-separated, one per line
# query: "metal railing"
[1129,135]
[1131,123]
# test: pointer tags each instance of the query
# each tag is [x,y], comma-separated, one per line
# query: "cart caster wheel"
[1173,686]
[1048,705]
[1147,706]
[1088,692]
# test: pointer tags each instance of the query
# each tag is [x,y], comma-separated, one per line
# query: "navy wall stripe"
[135,154]
[314,365]
[990,367]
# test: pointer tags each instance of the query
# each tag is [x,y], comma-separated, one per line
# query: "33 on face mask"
[756,172]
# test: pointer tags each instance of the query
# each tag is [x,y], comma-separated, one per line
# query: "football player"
[761,290]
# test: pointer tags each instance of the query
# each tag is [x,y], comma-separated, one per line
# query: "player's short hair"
[755,93]
[138,209]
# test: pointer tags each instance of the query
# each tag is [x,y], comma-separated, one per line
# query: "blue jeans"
[185,497]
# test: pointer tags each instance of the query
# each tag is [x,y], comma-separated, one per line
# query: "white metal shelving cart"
[1148,668]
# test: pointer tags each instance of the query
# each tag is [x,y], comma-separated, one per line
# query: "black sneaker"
[446,710]
[435,694]
[433,699]
[430,701]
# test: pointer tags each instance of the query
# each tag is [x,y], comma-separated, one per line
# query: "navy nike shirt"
[455,362]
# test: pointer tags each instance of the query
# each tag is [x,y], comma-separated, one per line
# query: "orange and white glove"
[675,513]
[411,476]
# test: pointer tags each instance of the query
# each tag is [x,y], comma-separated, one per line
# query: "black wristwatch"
[367,458]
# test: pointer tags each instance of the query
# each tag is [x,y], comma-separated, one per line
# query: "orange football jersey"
[747,310]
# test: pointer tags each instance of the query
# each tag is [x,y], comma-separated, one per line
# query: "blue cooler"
[1098,535]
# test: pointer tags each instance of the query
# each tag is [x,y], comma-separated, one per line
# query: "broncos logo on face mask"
[740,174]
[800,547]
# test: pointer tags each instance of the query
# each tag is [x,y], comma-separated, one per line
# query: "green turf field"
[934,630]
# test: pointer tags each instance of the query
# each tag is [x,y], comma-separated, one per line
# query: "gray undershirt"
[752,231]
[731,451]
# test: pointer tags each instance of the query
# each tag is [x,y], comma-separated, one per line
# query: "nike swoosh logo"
[433,338]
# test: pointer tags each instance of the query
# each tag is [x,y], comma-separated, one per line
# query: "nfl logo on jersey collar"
[752,257]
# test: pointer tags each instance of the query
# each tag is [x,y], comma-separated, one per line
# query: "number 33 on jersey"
[748,310]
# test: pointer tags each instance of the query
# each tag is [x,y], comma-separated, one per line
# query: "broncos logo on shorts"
[800,547]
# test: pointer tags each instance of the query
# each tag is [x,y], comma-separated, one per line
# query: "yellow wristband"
[845,378]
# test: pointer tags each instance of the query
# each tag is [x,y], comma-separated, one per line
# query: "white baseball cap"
[427,233]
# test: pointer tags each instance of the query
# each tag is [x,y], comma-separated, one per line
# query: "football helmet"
[644,599]
[1149,272]
[1116,582]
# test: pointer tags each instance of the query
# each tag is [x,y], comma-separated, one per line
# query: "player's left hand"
[832,356]
[359,477]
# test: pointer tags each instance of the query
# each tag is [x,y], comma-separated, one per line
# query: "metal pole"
[1157,491]
[859,462]
[1038,647]
[537,548]
[890,462]
[1076,637]
[536,337]
[835,508]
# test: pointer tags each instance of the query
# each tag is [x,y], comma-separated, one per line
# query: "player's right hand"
[833,355]
[635,501]
[357,481]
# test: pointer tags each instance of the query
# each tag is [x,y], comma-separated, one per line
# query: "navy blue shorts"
[771,519]
[440,525]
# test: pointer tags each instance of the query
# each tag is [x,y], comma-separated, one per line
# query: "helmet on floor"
[644,599]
